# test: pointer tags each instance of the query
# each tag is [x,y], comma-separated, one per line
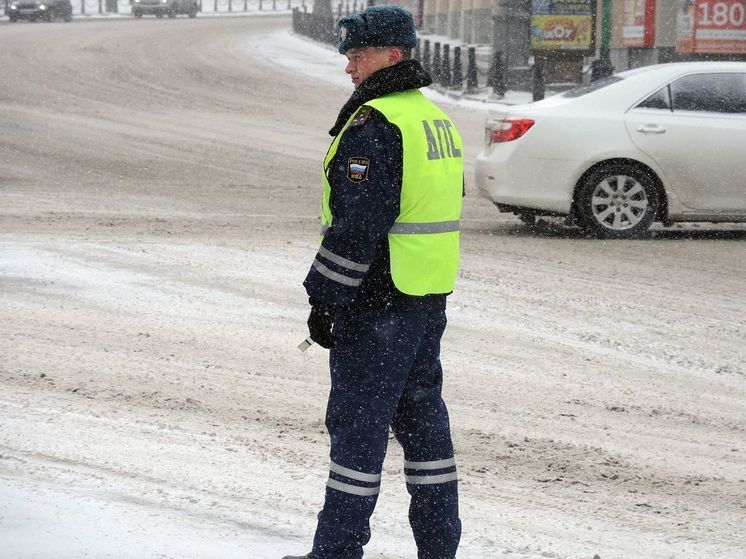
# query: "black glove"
[320,325]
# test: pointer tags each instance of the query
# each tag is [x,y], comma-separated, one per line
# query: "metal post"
[215,7]
[436,63]
[230,5]
[606,26]
[472,83]
[274,5]
[426,56]
[498,64]
[497,71]
[458,77]
[417,50]
[100,7]
[82,7]
[445,74]
[602,67]
[538,86]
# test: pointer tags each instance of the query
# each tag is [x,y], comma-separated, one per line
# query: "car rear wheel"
[137,13]
[617,201]
[12,19]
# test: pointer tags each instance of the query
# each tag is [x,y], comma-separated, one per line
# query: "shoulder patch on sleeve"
[361,116]
[357,168]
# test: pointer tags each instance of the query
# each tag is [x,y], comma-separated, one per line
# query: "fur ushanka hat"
[377,26]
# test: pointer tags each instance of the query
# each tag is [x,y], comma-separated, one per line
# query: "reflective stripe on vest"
[412,228]
[424,240]
[420,228]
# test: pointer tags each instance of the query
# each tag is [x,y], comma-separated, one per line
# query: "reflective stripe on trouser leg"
[353,482]
[370,364]
[422,427]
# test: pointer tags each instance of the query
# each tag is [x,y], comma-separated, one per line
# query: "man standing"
[393,183]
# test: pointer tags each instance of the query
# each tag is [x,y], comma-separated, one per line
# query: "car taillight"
[509,129]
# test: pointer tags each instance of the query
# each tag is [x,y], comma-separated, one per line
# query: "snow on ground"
[48,521]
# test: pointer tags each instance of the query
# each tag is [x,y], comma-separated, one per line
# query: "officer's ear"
[395,55]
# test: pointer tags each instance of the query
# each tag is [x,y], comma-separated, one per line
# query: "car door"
[695,128]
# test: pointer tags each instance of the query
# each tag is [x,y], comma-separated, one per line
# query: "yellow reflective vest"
[424,240]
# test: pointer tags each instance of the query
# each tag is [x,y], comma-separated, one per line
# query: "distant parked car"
[659,143]
[45,10]
[160,8]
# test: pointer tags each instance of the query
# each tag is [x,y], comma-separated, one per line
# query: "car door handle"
[651,129]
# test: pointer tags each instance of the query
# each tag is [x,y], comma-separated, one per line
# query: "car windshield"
[604,82]
[593,86]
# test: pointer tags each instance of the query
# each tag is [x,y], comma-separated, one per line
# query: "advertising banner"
[562,24]
[711,26]
[639,23]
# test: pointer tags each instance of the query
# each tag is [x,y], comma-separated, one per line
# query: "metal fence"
[123,7]
[318,28]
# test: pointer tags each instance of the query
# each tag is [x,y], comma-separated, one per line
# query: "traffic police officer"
[392,189]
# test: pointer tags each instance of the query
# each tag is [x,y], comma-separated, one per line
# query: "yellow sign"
[561,32]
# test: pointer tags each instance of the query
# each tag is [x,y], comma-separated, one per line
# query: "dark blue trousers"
[386,373]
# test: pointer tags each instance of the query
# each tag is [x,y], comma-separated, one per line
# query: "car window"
[661,99]
[719,93]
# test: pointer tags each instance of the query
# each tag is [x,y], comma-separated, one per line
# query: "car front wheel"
[617,201]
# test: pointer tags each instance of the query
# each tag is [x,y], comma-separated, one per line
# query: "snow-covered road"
[158,212]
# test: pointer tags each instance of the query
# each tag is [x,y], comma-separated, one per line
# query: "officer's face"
[363,62]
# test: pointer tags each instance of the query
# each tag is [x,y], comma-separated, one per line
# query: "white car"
[660,143]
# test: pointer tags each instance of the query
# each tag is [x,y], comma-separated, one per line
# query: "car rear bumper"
[28,13]
[507,178]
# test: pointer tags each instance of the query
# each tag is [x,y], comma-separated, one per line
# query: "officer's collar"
[408,74]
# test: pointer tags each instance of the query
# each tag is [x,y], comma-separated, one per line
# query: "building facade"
[638,33]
